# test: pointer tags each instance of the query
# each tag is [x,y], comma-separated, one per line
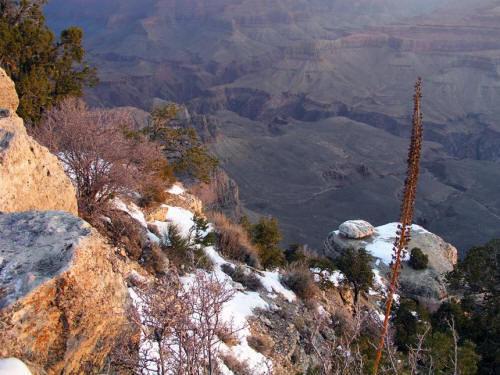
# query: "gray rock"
[35,246]
[356,229]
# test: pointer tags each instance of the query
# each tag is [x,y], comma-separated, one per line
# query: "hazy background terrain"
[312,100]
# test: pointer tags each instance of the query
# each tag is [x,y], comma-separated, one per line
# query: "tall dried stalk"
[400,248]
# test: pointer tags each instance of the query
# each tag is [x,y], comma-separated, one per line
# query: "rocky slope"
[31,178]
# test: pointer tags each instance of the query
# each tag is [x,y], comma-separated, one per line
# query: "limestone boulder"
[356,229]
[31,178]
[62,304]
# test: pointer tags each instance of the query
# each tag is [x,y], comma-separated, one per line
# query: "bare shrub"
[122,230]
[227,335]
[154,260]
[235,366]
[99,153]
[240,275]
[261,343]
[179,326]
[233,241]
[341,354]
[300,279]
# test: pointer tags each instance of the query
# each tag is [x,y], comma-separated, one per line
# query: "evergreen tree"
[181,145]
[355,265]
[418,260]
[267,237]
[45,70]
[478,313]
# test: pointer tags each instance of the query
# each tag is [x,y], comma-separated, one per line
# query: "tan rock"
[31,178]
[63,305]
[158,213]
[8,95]
[186,201]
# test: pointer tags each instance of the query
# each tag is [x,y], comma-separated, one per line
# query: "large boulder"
[31,178]
[356,229]
[428,285]
[61,303]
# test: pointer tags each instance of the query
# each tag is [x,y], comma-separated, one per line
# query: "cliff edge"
[31,178]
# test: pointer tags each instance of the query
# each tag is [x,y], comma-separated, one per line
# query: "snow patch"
[132,210]
[384,236]
[336,277]
[13,366]
[176,190]
[181,218]
[271,281]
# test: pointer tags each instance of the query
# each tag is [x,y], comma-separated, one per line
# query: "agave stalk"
[400,248]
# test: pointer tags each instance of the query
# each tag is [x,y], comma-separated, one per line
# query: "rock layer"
[31,178]
[62,305]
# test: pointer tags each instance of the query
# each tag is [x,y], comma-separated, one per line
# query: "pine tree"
[45,70]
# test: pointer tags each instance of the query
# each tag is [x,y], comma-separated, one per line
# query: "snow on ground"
[379,282]
[181,218]
[13,366]
[175,189]
[384,236]
[132,210]
[241,306]
[271,281]
[381,286]
[335,277]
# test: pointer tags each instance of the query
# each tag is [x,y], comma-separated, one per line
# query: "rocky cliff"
[62,300]
[31,178]
[220,195]
[62,303]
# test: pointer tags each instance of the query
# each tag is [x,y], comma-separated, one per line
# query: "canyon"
[310,101]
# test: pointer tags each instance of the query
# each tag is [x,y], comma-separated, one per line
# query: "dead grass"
[236,367]
[261,343]
[300,279]
[233,241]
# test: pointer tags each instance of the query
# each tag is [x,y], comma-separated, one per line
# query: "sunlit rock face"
[61,303]
[31,178]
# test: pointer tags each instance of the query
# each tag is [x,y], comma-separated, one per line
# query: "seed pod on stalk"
[403,235]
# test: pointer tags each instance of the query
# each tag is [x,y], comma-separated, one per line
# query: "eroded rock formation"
[62,305]
[220,195]
[31,178]
[427,285]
